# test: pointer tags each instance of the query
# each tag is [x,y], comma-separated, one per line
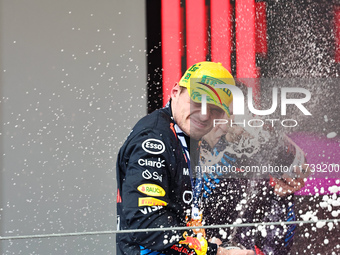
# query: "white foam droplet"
[331,135]
[320,224]
[334,189]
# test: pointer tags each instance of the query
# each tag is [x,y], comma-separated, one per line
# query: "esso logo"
[153,146]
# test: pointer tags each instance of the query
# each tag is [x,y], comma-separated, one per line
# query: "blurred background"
[75,76]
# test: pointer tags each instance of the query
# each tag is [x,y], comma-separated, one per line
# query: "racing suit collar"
[190,141]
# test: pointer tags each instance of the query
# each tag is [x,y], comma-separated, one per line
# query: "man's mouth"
[198,124]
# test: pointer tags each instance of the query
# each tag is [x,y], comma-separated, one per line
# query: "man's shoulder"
[153,133]
[157,125]
[157,121]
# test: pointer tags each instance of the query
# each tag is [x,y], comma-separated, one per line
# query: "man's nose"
[206,116]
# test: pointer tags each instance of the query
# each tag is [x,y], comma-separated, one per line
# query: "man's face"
[187,114]
[217,132]
[233,133]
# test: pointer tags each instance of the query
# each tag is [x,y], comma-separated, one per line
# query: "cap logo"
[187,76]
[209,93]
[211,80]
[193,68]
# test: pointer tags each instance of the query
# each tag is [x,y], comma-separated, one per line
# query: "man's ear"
[175,91]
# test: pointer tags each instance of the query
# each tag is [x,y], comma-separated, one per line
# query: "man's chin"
[197,134]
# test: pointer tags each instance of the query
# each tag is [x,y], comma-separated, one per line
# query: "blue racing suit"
[155,191]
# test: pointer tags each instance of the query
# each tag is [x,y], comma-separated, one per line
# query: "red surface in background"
[221,32]
[196,31]
[261,28]
[337,33]
[245,39]
[171,45]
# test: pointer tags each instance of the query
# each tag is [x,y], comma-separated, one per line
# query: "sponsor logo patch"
[146,174]
[150,209]
[182,249]
[186,171]
[153,163]
[153,146]
[200,245]
[187,196]
[150,201]
[151,190]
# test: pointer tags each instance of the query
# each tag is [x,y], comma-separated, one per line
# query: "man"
[155,182]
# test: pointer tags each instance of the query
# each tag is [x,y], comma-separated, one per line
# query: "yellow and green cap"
[201,78]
